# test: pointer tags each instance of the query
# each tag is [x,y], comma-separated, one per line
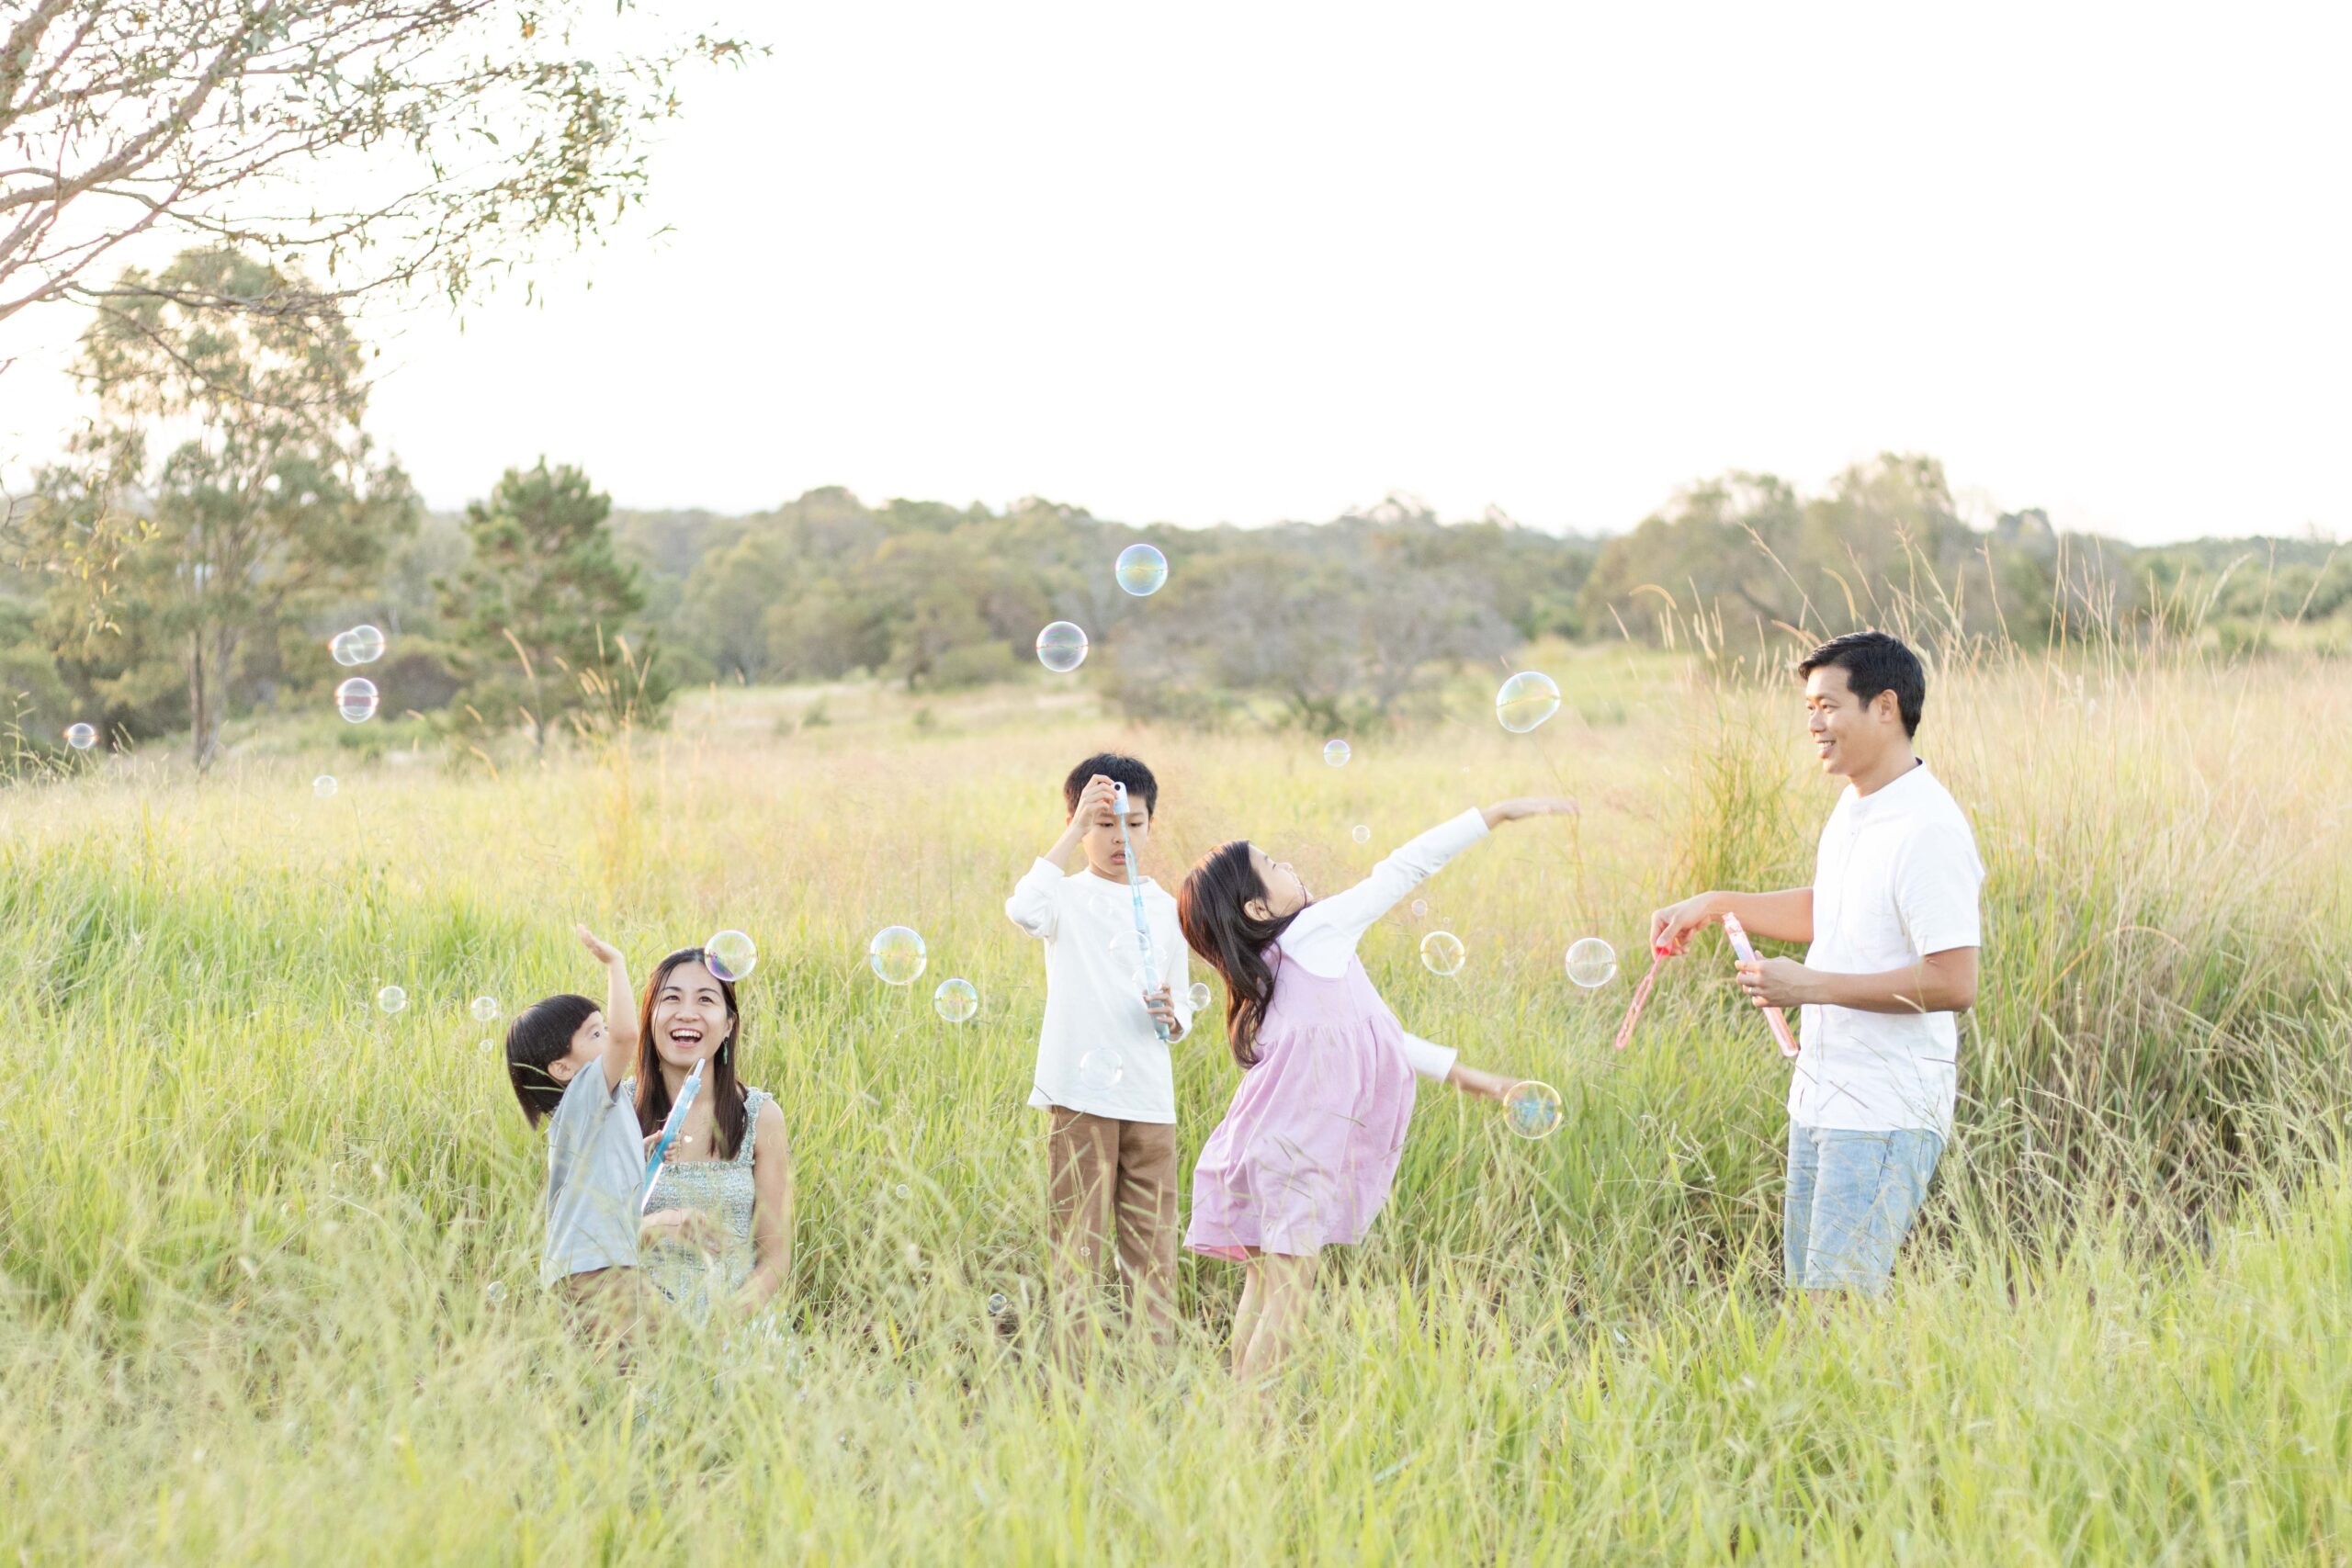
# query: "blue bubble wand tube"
[670,1125]
[1134,892]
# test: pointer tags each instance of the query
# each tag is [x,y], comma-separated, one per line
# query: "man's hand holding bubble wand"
[1669,938]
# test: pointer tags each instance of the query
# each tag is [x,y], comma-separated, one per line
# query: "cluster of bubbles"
[1442,953]
[956,1000]
[1141,570]
[356,698]
[1592,963]
[897,954]
[1061,647]
[80,736]
[730,955]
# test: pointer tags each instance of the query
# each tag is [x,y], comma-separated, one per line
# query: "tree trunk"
[208,696]
[201,730]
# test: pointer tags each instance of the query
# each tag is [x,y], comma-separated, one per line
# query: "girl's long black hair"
[1212,908]
[719,1082]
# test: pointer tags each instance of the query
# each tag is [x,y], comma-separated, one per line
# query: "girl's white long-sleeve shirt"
[1094,973]
[1323,938]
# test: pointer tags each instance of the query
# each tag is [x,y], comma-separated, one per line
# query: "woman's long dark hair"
[719,1082]
[1212,908]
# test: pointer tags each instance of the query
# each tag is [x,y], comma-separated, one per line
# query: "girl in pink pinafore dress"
[1309,1148]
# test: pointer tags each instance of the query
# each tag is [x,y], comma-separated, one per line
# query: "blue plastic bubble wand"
[670,1125]
[1134,892]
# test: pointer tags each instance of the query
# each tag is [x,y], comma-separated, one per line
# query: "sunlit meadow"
[269,1254]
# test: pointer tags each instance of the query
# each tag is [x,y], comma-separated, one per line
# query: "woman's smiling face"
[690,1020]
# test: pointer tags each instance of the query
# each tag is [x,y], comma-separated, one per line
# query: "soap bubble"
[1420,908]
[485,1046]
[1526,700]
[339,645]
[495,1291]
[485,1009]
[956,1000]
[1101,1070]
[364,645]
[1061,648]
[1591,962]
[324,786]
[356,699]
[730,956]
[1532,1108]
[80,736]
[1444,952]
[1198,996]
[391,998]
[1360,833]
[1337,753]
[897,954]
[997,1304]
[1142,570]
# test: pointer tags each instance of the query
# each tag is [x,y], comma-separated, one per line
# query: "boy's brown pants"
[1112,1185]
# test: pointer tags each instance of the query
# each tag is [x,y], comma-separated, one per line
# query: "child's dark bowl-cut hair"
[539,1037]
[1119,769]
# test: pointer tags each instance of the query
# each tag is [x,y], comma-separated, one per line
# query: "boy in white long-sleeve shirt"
[1105,1075]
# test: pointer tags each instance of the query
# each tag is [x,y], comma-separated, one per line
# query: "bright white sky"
[1250,262]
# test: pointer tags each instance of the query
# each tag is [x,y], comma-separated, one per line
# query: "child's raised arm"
[1035,904]
[620,1009]
[1352,913]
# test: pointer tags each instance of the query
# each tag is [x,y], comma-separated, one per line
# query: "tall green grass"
[269,1255]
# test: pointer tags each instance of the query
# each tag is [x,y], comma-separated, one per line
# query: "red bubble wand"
[1641,994]
[1746,954]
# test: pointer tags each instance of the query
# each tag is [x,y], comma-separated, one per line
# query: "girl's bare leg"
[1286,1289]
[1246,1315]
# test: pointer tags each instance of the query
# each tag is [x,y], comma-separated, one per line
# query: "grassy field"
[269,1255]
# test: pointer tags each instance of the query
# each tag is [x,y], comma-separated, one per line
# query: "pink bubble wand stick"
[1641,994]
[1746,951]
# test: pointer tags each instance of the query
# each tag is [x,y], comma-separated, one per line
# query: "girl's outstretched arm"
[1430,1060]
[1347,916]
[1504,811]
[620,1009]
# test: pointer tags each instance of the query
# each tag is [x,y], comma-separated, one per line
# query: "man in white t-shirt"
[1893,923]
[1105,1075]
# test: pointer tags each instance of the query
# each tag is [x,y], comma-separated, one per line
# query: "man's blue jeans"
[1851,1199]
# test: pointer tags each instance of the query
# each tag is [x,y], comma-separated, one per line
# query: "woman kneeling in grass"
[726,1188]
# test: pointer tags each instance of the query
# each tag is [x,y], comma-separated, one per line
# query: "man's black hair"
[1118,769]
[1875,662]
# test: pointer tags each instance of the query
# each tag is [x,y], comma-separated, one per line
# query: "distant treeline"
[1337,622]
[1349,618]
